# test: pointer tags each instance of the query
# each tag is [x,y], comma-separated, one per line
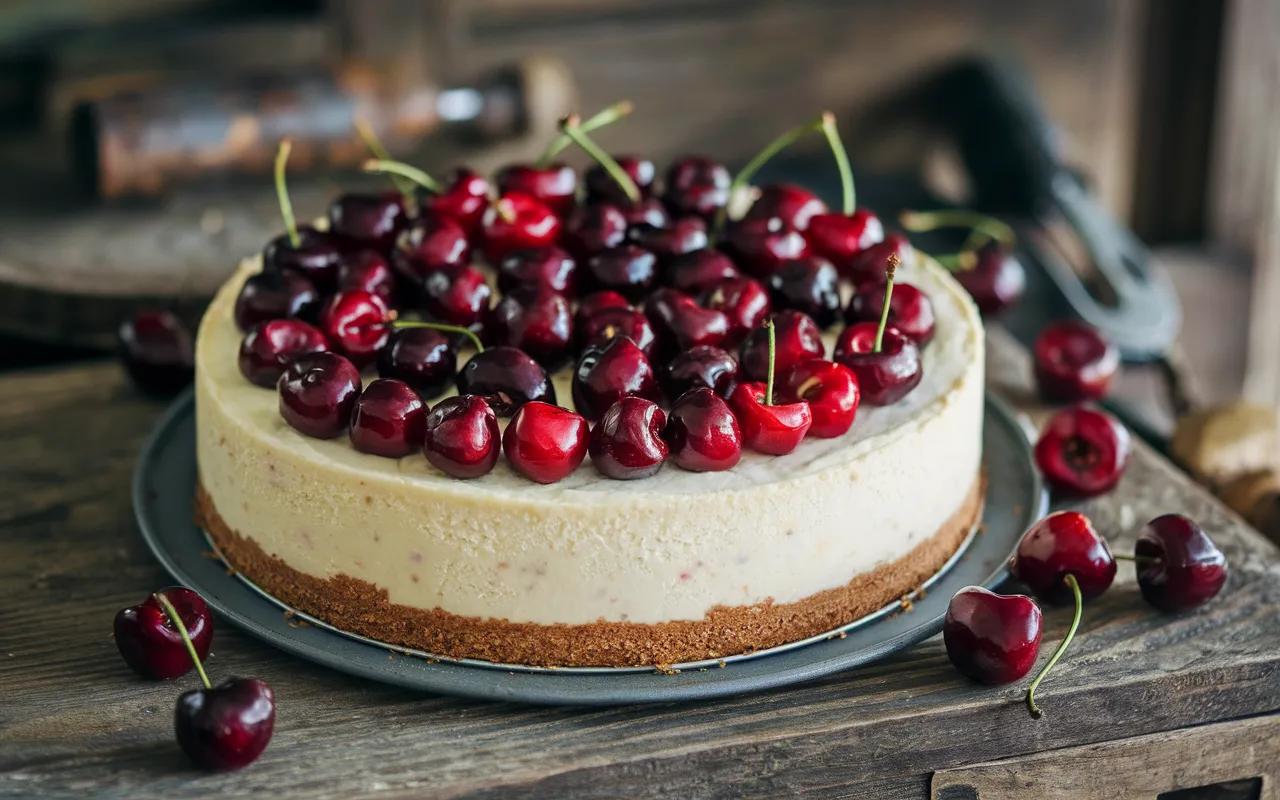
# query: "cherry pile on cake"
[606,419]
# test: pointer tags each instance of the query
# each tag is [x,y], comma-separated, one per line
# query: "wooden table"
[1143,703]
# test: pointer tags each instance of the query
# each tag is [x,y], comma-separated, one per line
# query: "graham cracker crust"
[360,607]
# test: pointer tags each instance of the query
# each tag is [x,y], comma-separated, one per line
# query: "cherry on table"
[810,286]
[226,727]
[1083,451]
[1074,361]
[992,638]
[505,378]
[760,246]
[832,392]
[699,270]
[517,222]
[363,221]
[698,367]
[150,643]
[702,432]
[273,294]
[910,309]
[357,324]
[389,419]
[696,186]
[1179,566]
[553,184]
[627,444]
[995,281]
[538,321]
[156,349]
[842,238]
[461,437]
[628,269]
[545,442]
[368,271]
[457,296]
[548,267]
[794,205]
[592,229]
[608,324]
[797,338]
[680,236]
[606,375]
[887,375]
[1063,543]
[317,394]
[431,243]
[602,187]
[744,301]
[266,350]
[423,358]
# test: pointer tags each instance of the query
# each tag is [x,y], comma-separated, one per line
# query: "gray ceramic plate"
[164,484]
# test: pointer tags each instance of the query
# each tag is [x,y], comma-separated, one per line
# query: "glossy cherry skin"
[367,221]
[698,271]
[647,214]
[705,366]
[368,271]
[461,437]
[275,294]
[457,296]
[702,432]
[548,267]
[608,324]
[544,442]
[553,185]
[832,392]
[696,186]
[464,200]
[760,246]
[151,645]
[1190,570]
[869,265]
[318,392]
[886,377]
[681,323]
[794,205]
[356,324]
[421,357]
[226,727]
[626,444]
[627,269]
[538,321]
[1074,362]
[601,187]
[606,375]
[841,239]
[156,349]
[744,301]
[315,258]
[1063,543]
[995,282]
[1083,451]
[431,243]
[680,236]
[598,301]
[796,338]
[593,229]
[267,349]
[505,378]
[517,222]
[773,430]
[992,638]
[389,419]
[910,309]
[808,285]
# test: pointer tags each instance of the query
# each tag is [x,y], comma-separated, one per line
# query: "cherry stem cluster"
[891,269]
[176,619]
[608,116]
[387,167]
[282,192]
[773,350]
[573,128]
[375,147]
[1036,713]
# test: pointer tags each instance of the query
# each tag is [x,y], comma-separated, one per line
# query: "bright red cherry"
[744,301]
[681,323]
[458,296]
[841,238]
[771,429]
[698,367]
[886,376]
[992,638]
[627,269]
[267,349]
[550,267]
[759,246]
[869,264]
[506,378]
[156,349]
[150,643]
[996,280]
[680,236]
[593,229]
[545,443]
[1179,566]
[275,294]
[356,324]
[796,337]
[226,727]
[703,433]
[608,324]
[421,357]
[697,186]
[606,375]
[368,271]
[1083,451]
[554,185]
[465,199]
[910,310]
[315,257]
[830,389]
[1063,543]
[597,301]
[517,222]
[461,437]
[317,394]
[627,443]
[537,321]
[367,221]
[697,271]
[810,286]
[431,243]
[601,186]
[389,419]
[794,205]
[1074,362]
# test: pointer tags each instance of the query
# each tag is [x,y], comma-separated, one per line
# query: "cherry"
[388,420]
[887,375]
[796,338]
[696,186]
[1074,362]
[464,199]
[268,348]
[794,205]
[832,392]
[627,269]
[647,214]
[368,271]
[910,310]
[545,442]
[156,350]
[273,294]
[537,321]
[318,393]
[1179,566]
[431,243]
[227,727]
[601,186]
[315,257]
[683,235]
[549,267]
[149,641]
[517,222]
[627,442]
[457,296]
[808,285]
[761,245]
[598,301]
[699,270]
[842,238]
[461,437]
[702,432]
[553,185]
[681,323]
[744,301]
[606,375]
[608,324]
[505,378]
[356,324]
[1082,451]
[768,428]
[995,281]
[698,367]
[366,221]
[992,638]
[423,358]
[593,229]
[869,264]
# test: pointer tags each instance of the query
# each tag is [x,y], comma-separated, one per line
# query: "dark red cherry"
[506,378]
[421,357]
[606,375]
[601,187]
[461,437]
[226,727]
[627,443]
[770,429]
[315,258]
[367,221]
[992,638]
[627,269]
[593,229]
[760,246]
[797,339]
[1074,361]
[794,205]
[910,310]
[548,267]
[647,214]
[431,243]
[698,271]
[544,442]
[368,271]
[885,377]
[996,281]
[149,642]
[869,264]
[744,301]
[464,200]
[681,323]
[809,285]
[389,419]
[597,301]
[698,367]
[517,222]
[696,186]
[554,185]
[1063,543]
[457,296]
[275,294]
[841,238]
[1179,566]
[156,349]
[317,394]
[357,325]
[832,392]
[267,349]
[1083,451]
[702,433]
[608,324]
[680,236]
[537,321]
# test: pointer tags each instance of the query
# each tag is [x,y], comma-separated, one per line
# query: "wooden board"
[75,721]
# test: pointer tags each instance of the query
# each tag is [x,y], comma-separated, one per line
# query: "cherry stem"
[773,346]
[443,328]
[388,167]
[1036,713]
[753,166]
[608,116]
[963,260]
[1136,559]
[572,128]
[282,192]
[922,221]
[172,614]
[374,145]
[890,270]
[848,194]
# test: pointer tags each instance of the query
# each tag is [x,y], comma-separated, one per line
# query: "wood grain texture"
[74,719]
